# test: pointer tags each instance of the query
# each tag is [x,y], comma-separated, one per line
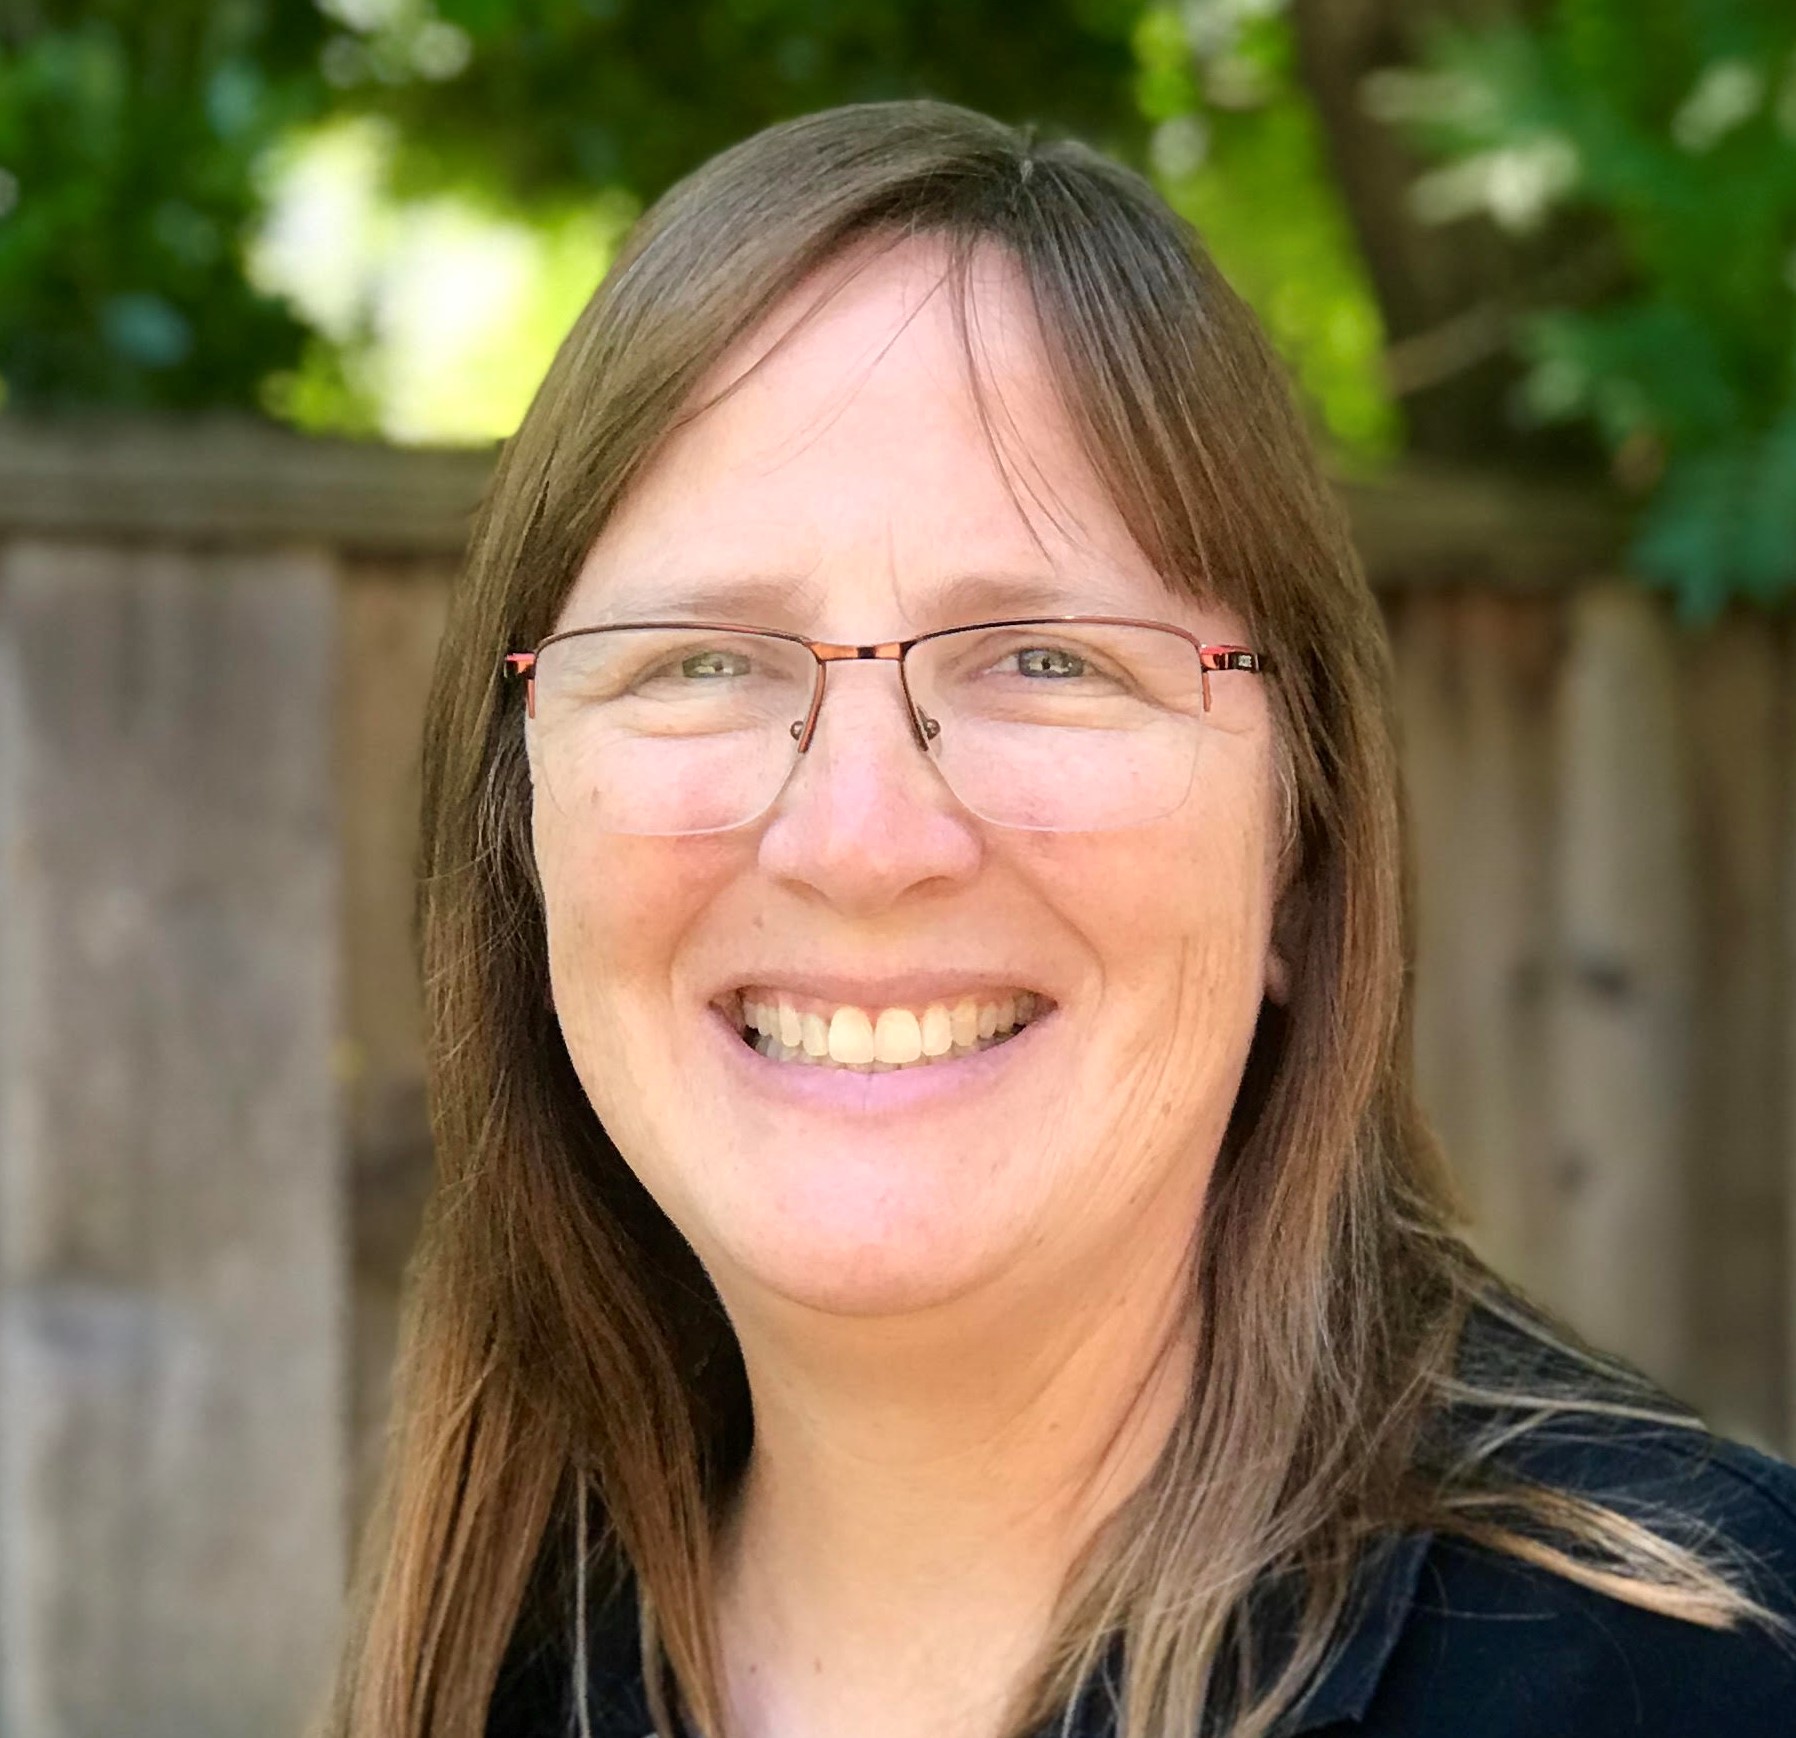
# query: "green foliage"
[553,97]
[128,133]
[537,100]
[1238,150]
[134,137]
[1675,120]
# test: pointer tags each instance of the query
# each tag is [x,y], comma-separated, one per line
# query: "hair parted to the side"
[559,1337]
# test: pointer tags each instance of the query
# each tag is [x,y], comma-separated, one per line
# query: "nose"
[865,816]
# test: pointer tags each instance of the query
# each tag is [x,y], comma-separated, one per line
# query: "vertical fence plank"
[171,1270]
[1475,685]
[1500,908]
[1620,1065]
[1425,640]
[1733,685]
[392,619]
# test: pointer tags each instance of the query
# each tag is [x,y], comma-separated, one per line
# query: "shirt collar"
[1381,1592]
[1380,1595]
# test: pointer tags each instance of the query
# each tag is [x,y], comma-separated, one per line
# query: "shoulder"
[1493,1647]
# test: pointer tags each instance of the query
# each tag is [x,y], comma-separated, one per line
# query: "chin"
[874,1263]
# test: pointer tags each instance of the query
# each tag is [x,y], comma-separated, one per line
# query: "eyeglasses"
[1071,723]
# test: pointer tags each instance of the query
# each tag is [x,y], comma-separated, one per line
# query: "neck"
[919,1487]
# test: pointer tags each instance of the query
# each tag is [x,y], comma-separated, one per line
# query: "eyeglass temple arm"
[523,664]
[1225,658]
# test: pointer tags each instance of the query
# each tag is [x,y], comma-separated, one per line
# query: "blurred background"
[275,277]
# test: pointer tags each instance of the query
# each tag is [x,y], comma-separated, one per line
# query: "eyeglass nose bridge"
[923,728]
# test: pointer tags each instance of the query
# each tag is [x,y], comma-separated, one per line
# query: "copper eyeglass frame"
[1211,657]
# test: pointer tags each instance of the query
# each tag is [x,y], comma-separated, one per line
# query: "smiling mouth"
[807,1033]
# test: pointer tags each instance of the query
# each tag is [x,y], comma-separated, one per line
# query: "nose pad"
[923,728]
[930,727]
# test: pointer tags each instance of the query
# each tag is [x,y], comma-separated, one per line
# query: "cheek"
[1186,981]
[1173,913]
[582,906]
[616,910]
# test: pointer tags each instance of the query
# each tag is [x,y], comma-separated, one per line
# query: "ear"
[1278,976]
[1284,948]
[1290,904]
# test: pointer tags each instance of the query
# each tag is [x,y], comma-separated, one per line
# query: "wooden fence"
[214,645]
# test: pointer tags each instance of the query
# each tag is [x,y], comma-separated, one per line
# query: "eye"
[1051,661]
[715,661]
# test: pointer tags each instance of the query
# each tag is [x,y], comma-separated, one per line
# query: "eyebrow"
[767,596]
[775,600]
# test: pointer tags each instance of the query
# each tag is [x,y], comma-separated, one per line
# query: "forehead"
[842,471]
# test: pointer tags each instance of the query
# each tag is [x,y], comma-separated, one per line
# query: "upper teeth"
[797,1029]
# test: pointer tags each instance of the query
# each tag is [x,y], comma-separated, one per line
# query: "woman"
[1118,1369]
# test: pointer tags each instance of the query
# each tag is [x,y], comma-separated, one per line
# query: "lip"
[900,1089]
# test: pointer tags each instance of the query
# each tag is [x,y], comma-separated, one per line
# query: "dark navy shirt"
[1448,1639]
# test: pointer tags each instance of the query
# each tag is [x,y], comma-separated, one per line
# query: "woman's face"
[851,469]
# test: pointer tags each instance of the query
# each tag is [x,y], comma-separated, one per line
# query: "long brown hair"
[560,1338]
